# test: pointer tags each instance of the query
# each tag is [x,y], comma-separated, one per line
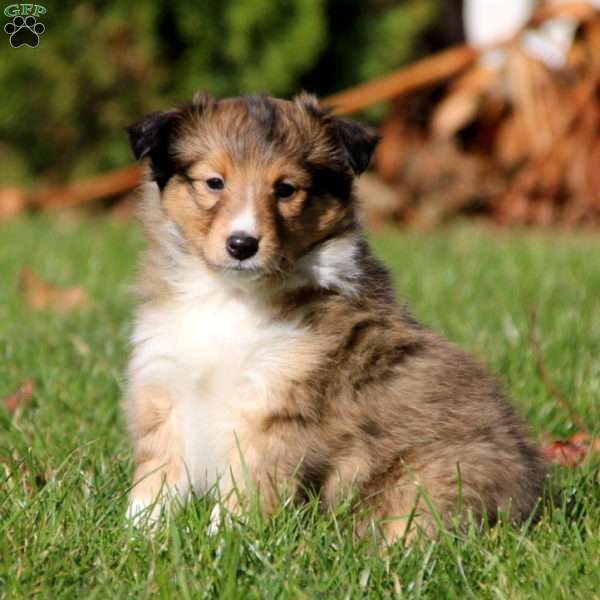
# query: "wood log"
[106,185]
[420,74]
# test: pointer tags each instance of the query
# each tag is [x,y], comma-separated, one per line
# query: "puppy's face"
[254,183]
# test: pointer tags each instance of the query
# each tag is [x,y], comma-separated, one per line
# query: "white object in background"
[490,22]
[551,42]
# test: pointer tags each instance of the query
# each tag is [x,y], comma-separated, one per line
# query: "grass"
[65,463]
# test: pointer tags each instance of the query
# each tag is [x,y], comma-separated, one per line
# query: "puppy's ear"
[147,135]
[150,137]
[309,103]
[358,143]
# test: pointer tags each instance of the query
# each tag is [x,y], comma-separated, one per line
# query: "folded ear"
[150,137]
[147,135]
[358,143]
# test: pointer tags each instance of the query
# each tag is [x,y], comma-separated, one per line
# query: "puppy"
[269,354]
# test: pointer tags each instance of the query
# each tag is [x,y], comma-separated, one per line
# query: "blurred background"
[490,109]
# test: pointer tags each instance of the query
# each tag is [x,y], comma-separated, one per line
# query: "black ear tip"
[360,143]
[147,134]
[137,140]
[135,135]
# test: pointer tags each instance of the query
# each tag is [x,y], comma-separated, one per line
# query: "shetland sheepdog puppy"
[269,355]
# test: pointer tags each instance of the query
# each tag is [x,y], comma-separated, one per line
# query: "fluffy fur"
[295,371]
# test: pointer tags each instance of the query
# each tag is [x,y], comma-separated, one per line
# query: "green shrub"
[100,66]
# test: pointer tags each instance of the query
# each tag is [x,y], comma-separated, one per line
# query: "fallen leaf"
[40,295]
[13,201]
[571,452]
[20,398]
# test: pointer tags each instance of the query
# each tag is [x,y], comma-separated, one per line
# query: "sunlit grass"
[65,463]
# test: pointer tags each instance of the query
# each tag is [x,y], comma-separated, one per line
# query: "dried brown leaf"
[13,201]
[20,398]
[40,295]
[571,452]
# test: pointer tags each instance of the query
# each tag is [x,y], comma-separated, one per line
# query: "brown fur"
[371,400]
[158,443]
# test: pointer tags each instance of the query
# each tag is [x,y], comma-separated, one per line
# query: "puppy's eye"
[215,184]
[284,190]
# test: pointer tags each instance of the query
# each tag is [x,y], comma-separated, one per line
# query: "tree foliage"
[101,65]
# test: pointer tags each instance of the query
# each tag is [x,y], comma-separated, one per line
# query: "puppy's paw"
[142,513]
[219,517]
[215,520]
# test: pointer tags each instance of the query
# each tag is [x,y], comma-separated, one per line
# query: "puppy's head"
[254,183]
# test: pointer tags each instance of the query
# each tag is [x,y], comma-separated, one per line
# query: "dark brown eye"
[284,190]
[215,184]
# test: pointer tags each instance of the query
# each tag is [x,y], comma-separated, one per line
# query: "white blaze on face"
[246,220]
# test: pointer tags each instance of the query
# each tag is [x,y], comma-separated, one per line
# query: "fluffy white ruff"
[331,266]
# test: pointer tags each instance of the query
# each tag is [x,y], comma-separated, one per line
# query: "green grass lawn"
[65,463]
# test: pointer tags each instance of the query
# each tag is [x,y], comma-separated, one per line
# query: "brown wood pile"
[518,145]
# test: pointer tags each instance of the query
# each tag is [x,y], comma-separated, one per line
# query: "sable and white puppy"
[268,351]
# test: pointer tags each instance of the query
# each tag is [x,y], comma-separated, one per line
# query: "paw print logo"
[24,32]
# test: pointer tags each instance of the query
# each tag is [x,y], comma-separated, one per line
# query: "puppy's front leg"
[256,475]
[157,442]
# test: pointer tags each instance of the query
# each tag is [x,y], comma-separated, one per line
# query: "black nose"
[241,246]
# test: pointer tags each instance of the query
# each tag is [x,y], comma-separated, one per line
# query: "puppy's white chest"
[220,359]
